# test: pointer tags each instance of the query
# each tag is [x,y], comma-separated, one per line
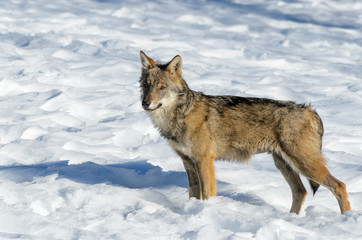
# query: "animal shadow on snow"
[137,174]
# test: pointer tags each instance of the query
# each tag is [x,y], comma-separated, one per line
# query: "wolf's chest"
[180,147]
[169,125]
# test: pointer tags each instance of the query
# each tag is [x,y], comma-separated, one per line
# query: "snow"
[81,160]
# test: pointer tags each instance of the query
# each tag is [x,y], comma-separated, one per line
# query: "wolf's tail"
[314,186]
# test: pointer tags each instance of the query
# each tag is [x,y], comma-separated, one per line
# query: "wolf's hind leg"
[311,164]
[338,189]
[320,174]
[298,191]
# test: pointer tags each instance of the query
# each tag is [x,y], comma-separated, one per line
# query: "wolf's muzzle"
[146,104]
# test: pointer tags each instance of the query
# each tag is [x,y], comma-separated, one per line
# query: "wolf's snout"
[146,104]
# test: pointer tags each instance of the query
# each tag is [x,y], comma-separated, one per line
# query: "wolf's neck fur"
[167,120]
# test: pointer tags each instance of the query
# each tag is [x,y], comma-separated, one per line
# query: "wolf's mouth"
[159,105]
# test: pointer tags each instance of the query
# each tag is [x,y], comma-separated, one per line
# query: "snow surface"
[79,158]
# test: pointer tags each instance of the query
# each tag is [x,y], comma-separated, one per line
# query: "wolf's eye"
[162,87]
[145,84]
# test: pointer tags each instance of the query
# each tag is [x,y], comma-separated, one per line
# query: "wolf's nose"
[146,104]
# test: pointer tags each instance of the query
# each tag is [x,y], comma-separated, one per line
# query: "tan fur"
[202,128]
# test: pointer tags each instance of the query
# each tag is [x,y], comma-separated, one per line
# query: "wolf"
[202,128]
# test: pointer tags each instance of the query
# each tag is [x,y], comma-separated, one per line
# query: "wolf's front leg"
[192,176]
[193,179]
[206,172]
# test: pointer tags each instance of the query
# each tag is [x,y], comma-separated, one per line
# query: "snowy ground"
[79,158]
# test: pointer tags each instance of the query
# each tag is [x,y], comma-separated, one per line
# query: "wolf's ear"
[147,62]
[175,65]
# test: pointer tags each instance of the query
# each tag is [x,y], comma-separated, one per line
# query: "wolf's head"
[161,84]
